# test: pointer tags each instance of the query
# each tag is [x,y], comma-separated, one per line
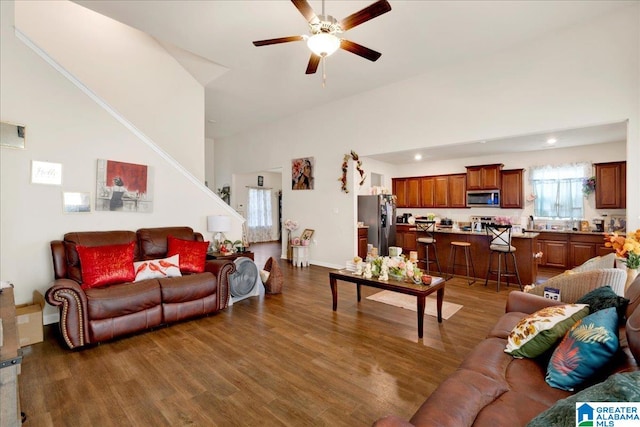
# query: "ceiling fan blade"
[278,40]
[305,9]
[366,14]
[312,67]
[360,50]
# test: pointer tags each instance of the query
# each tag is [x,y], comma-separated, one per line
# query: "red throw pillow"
[193,254]
[104,265]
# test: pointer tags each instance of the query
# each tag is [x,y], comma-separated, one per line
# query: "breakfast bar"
[526,245]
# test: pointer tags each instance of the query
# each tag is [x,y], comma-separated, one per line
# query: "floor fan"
[245,282]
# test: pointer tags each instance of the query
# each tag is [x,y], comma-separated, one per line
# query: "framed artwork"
[260,180]
[76,202]
[306,234]
[302,173]
[46,173]
[123,187]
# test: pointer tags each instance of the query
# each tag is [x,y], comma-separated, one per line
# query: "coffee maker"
[599,224]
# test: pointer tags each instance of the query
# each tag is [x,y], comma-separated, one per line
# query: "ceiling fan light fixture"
[323,44]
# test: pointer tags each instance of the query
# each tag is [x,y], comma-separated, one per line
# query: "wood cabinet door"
[611,188]
[458,191]
[602,250]
[556,254]
[491,177]
[441,186]
[474,178]
[410,243]
[362,242]
[399,186]
[427,191]
[413,192]
[580,252]
[511,193]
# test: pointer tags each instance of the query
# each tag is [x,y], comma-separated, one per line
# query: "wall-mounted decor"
[260,180]
[225,194]
[46,173]
[345,164]
[76,202]
[306,234]
[123,187]
[12,135]
[302,173]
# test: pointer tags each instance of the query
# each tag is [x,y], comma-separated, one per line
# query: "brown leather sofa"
[491,388]
[99,314]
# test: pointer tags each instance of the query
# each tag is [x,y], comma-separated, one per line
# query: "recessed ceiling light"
[551,141]
[418,157]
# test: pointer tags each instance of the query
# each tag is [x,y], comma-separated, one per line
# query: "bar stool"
[467,260]
[500,244]
[425,233]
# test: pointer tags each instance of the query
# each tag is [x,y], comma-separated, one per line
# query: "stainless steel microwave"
[483,198]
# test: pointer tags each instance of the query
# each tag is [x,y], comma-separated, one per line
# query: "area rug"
[410,302]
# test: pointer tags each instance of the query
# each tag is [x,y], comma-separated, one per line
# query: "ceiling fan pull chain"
[324,72]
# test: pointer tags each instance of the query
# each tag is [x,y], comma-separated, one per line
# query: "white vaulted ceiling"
[248,86]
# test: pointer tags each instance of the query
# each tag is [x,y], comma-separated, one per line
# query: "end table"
[300,255]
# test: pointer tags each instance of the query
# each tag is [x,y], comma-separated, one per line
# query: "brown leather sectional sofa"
[491,388]
[99,314]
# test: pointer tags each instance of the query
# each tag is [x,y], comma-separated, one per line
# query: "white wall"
[66,126]
[585,75]
[127,68]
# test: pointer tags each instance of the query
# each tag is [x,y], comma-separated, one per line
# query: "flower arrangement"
[291,225]
[345,164]
[627,247]
[397,266]
[588,185]
[503,220]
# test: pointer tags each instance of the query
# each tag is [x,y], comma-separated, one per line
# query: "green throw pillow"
[538,332]
[604,297]
[617,388]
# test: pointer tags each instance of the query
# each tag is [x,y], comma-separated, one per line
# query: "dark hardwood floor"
[277,360]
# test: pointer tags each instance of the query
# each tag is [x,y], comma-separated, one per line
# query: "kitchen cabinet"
[362,242]
[458,191]
[611,185]
[441,192]
[407,191]
[406,238]
[569,250]
[484,177]
[511,192]
[427,191]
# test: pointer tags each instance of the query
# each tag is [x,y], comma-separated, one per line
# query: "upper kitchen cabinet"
[511,189]
[407,191]
[484,177]
[427,191]
[458,191]
[611,185]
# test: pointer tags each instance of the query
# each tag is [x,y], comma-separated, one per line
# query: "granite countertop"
[526,235]
[592,233]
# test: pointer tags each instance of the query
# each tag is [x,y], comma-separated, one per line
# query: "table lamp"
[218,224]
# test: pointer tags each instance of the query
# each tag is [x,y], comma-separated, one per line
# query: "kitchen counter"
[526,235]
[590,233]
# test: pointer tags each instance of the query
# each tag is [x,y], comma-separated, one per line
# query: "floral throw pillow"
[157,268]
[193,254]
[538,332]
[587,347]
[106,265]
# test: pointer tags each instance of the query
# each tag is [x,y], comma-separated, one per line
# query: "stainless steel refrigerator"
[379,213]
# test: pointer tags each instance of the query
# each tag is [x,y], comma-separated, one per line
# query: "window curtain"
[558,189]
[259,215]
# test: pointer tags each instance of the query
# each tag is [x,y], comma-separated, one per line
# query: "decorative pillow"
[105,265]
[587,347]
[539,331]
[193,254]
[604,297]
[617,388]
[157,268]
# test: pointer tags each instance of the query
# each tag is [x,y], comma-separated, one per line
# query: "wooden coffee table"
[419,291]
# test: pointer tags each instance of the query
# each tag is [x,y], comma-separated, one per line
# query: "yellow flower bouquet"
[627,247]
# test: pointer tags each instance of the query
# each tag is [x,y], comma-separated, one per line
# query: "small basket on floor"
[274,283]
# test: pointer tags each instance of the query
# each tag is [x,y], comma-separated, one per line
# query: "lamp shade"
[323,44]
[218,223]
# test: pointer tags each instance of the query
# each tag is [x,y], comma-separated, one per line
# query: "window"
[259,215]
[558,190]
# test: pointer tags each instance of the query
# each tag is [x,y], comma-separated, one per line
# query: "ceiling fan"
[323,40]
